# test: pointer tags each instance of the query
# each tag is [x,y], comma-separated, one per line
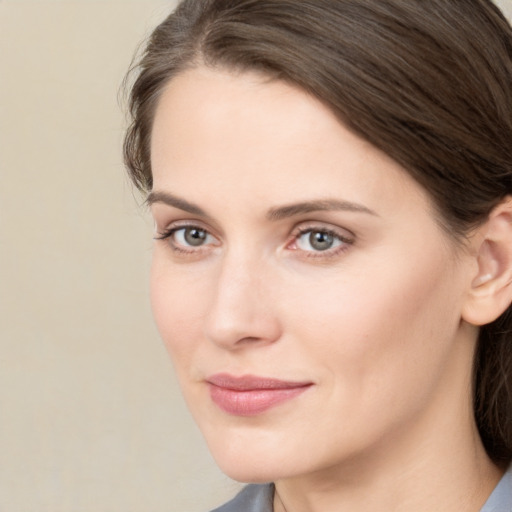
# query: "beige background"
[90,415]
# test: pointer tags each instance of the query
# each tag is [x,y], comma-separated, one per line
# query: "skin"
[375,323]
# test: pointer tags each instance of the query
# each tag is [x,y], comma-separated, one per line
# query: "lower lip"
[252,402]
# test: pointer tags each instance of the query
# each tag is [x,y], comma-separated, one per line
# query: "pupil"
[320,241]
[195,236]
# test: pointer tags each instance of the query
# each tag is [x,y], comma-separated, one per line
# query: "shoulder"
[252,498]
[501,498]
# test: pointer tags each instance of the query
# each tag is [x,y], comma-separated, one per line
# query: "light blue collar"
[501,498]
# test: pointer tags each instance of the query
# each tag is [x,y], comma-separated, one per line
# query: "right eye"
[192,237]
[187,238]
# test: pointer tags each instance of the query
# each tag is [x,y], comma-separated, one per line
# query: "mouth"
[250,395]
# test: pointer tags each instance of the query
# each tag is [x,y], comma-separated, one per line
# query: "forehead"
[244,136]
[219,108]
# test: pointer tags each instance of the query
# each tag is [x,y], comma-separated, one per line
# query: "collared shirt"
[501,498]
[259,498]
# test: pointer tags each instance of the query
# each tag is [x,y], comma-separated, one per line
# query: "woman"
[331,186]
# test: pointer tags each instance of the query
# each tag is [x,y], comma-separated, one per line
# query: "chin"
[251,459]
[250,471]
[247,474]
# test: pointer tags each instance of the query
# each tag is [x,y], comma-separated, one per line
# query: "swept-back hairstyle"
[429,82]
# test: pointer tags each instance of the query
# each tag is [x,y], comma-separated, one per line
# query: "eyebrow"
[176,202]
[283,212]
[274,214]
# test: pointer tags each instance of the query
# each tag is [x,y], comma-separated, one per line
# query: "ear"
[490,292]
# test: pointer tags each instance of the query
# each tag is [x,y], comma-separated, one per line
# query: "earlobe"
[490,293]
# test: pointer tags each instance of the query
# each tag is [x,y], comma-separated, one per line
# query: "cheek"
[380,335]
[177,310]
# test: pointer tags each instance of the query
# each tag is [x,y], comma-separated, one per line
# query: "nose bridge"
[241,306]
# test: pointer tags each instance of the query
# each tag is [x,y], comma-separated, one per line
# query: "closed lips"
[250,395]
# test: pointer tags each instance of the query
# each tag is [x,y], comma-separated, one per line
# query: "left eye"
[318,240]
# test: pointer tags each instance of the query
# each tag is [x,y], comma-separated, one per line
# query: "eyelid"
[182,224]
[305,227]
[167,233]
[346,237]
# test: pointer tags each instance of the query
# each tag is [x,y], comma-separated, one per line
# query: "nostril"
[242,327]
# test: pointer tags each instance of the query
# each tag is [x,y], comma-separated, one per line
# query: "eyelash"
[168,234]
[345,242]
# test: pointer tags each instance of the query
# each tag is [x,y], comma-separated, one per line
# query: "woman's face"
[309,299]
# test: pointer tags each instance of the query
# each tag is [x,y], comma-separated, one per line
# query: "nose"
[241,311]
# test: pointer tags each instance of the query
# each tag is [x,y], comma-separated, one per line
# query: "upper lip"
[252,382]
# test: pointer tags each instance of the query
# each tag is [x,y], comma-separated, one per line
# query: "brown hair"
[426,81]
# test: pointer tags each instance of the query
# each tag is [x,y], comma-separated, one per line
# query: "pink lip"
[249,395]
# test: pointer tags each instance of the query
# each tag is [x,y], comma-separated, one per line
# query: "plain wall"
[91,418]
